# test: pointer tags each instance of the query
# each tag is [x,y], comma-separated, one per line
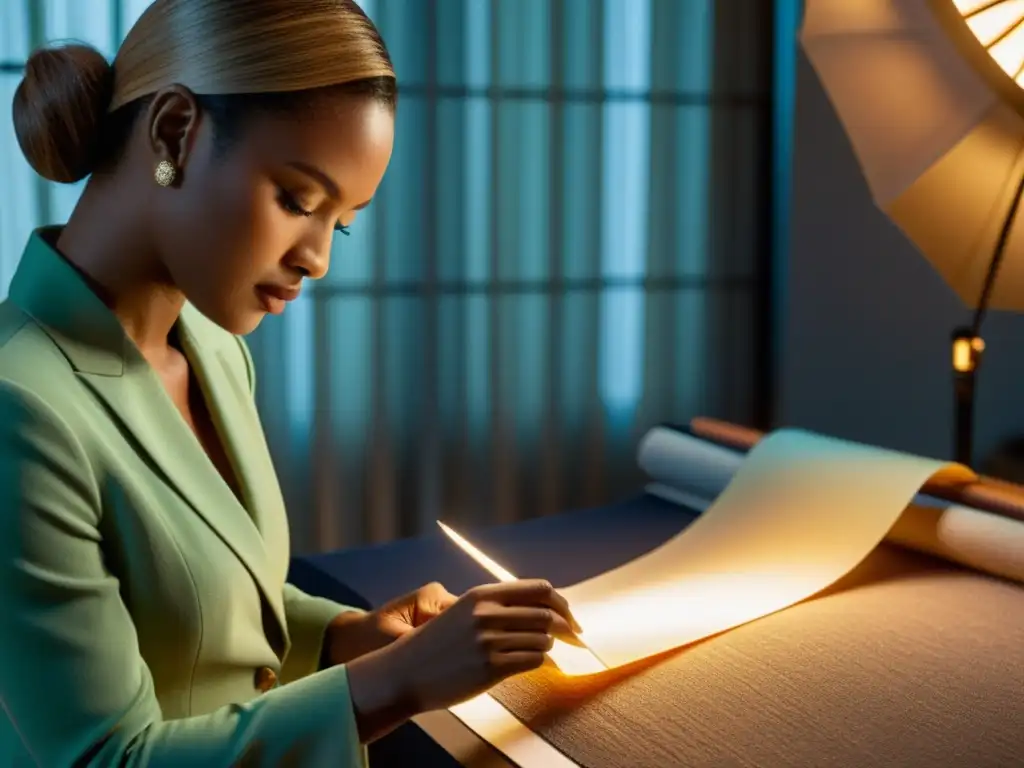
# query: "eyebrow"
[330,185]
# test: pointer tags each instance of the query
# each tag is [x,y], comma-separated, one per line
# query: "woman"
[144,544]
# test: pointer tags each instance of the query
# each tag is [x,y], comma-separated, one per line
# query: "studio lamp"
[998,27]
[931,95]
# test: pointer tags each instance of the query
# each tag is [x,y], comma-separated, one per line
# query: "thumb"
[431,601]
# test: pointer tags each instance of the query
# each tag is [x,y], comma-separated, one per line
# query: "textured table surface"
[906,662]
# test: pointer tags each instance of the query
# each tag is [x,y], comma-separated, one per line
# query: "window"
[569,247]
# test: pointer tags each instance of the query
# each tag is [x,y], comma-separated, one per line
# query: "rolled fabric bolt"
[987,494]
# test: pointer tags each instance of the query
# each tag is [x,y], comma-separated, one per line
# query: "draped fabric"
[569,247]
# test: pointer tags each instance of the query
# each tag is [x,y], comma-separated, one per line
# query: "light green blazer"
[144,615]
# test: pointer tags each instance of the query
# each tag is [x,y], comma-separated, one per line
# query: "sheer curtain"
[569,247]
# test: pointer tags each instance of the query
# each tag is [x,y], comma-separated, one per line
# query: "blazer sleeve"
[307,618]
[73,683]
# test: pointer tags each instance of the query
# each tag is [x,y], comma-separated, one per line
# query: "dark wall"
[866,321]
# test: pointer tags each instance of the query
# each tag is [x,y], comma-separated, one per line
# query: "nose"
[310,259]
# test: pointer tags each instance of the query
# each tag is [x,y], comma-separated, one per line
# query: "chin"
[243,324]
[235,322]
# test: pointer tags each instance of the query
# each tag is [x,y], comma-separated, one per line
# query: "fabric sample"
[906,662]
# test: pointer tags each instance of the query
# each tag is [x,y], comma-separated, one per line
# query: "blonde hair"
[212,47]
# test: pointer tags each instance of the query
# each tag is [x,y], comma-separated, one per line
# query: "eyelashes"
[290,204]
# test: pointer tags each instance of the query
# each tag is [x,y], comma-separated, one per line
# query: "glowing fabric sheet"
[802,511]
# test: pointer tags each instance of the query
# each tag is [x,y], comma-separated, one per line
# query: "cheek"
[227,200]
[231,224]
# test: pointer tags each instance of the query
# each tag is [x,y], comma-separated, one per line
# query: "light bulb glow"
[999,27]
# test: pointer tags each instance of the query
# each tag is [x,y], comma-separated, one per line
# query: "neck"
[110,246]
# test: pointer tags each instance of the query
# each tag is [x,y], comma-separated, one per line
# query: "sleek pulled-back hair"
[73,110]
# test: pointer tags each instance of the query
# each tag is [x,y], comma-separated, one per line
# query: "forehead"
[349,138]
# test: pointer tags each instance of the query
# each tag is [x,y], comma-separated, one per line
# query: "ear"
[173,121]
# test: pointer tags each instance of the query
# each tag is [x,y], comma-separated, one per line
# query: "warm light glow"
[500,728]
[999,27]
[571,659]
[966,352]
[661,615]
[800,513]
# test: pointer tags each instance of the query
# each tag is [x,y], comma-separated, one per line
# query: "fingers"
[512,642]
[517,662]
[511,653]
[530,592]
[495,616]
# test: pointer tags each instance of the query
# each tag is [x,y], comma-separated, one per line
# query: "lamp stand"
[967,349]
[968,345]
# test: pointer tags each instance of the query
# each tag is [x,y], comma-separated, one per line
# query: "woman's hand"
[490,633]
[354,633]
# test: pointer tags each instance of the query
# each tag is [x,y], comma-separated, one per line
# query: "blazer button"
[266,679]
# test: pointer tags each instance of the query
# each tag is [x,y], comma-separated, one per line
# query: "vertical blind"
[568,248]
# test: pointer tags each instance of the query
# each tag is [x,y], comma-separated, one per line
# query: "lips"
[280,292]
[273,298]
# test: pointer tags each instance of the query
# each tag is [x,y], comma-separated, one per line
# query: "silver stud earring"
[165,173]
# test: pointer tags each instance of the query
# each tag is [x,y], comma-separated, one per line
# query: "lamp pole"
[967,349]
[968,345]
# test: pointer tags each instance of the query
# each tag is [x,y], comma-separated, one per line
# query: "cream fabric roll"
[688,469]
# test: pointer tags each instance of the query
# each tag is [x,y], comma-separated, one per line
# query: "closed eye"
[290,203]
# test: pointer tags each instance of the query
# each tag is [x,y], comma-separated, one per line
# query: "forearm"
[380,700]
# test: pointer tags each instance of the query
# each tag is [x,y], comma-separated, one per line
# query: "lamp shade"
[926,92]
[998,25]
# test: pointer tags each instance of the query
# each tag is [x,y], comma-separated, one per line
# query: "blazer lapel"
[51,291]
[239,428]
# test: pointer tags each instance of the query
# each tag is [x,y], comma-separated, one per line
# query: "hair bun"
[59,110]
